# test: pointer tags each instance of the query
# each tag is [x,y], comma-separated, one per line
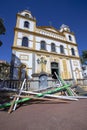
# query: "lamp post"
[41,61]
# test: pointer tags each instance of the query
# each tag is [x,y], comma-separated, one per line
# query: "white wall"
[48,44]
[75,48]
[31,25]
[67,38]
[22,57]
[21,35]
[28,61]
[76,64]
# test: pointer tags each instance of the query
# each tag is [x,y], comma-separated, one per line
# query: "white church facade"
[39,49]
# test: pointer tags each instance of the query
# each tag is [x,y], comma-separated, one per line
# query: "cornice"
[50,27]
[41,35]
[72,33]
[43,52]
[32,19]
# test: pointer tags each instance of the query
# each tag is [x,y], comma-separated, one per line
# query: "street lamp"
[41,61]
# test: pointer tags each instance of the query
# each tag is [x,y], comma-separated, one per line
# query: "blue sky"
[70,12]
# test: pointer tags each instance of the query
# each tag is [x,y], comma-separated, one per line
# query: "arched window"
[72,51]
[26,24]
[53,48]
[61,49]
[43,45]
[27,15]
[25,41]
[70,38]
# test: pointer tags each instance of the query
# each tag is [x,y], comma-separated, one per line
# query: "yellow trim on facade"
[25,49]
[45,36]
[34,38]
[68,50]
[65,70]
[17,23]
[72,33]
[15,38]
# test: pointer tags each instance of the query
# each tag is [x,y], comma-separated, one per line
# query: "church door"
[54,68]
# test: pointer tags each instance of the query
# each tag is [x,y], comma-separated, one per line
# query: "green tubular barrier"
[69,92]
[53,91]
[67,89]
[9,104]
[38,95]
[62,81]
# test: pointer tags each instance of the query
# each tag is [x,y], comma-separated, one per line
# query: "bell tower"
[26,21]
[24,42]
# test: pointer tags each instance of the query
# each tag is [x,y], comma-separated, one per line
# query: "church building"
[46,49]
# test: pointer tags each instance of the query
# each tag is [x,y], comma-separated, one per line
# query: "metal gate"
[43,81]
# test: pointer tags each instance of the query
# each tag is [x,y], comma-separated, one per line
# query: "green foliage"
[0,43]
[2,27]
[4,70]
[84,57]
[84,54]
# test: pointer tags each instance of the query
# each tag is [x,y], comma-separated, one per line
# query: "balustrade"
[30,84]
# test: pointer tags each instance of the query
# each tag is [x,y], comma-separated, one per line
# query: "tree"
[0,43]
[2,29]
[84,57]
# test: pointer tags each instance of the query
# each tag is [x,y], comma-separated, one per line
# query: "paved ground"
[47,116]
